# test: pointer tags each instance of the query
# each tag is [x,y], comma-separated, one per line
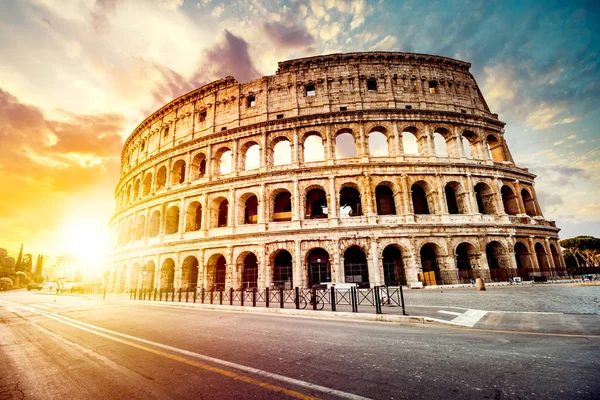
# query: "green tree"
[7,264]
[584,248]
[39,266]
[18,265]
[27,263]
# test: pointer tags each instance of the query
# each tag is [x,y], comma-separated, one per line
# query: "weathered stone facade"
[364,167]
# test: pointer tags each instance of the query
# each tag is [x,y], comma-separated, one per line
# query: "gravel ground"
[563,298]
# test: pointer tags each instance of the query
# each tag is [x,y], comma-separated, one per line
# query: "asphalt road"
[68,347]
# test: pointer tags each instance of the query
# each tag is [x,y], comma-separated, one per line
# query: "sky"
[77,76]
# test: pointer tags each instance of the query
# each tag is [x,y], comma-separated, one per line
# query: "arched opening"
[466,259]
[497,262]
[134,276]
[439,144]
[189,273]
[198,166]
[542,259]
[456,198]
[161,178]
[178,172]
[350,204]
[193,217]
[345,146]
[147,186]
[451,201]
[555,258]
[167,275]
[130,232]
[172,223]
[251,156]
[529,203]
[250,272]
[148,276]
[495,148]
[313,148]
[136,189]
[384,197]
[282,270]
[224,158]
[355,267]
[140,227]
[282,152]
[509,200]
[251,210]
[378,144]
[319,269]
[393,267]
[122,279]
[431,271]
[523,258]
[220,273]
[486,201]
[410,143]
[154,228]
[419,198]
[222,213]
[468,140]
[282,207]
[316,204]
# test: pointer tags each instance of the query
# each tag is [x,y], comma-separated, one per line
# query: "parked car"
[37,286]
[588,277]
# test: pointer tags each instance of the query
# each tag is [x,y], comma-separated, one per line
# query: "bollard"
[187,295]
[195,294]
[221,297]
[297,297]
[281,297]
[155,293]
[313,298]
[211,296]
[333,300]
[480,284]
[354,297]
[242,296]
[267,297]
[173,294]
[179,294]
[231,296]
[402,299]
[377,293]
[254,297]
[202,294]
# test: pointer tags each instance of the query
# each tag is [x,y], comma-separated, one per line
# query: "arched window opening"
[314,149]
[161,178]
[393,267]
[523,258]
[198,166]
[134,276]
[542,259]
[194,217]
[130,229]
[410,143]
[316,204]
[251,210]
[172,223]
[465,261]
[167,275]
[319,270]
[419,199]
[122,279]
[509,200]
[355,267]
[384,197]
[220,273]
[140,228]
[350,204]
[451,201]
[486,200]
[497,261]
[154,227]
[252,157]
[223,213]
[282,270]
[148,276]
[468,140]
[345,146]
[429,265]
[147,186]
[225,162]
[250,272]
[495,148]
[189,273]
[282,207]
[529,203]
[282,153]
[178,172]
[555,257]
[439,143]
[136,189]
[378,144]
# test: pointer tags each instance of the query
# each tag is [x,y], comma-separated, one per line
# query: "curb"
[330,315]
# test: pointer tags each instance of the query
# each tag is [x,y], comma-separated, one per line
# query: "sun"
[86,239]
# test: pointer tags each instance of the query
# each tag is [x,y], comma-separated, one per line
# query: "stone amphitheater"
[373,168]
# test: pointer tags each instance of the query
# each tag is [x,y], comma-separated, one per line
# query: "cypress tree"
[18,266]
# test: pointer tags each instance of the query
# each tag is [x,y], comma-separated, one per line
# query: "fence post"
[231,296]
[297,297]
[281,297]
[377,300]
[268,294]
[155,293]
[313,298]
[187,295]
[212,292]
[221,297]
[173,293]
[354,299]
[242,296]
[253,297]
[202,294]
[333,300]
[402,299]
[195,293]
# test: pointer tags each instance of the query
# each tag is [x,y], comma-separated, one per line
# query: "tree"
[7,264]
[586,248]
[27,263]
[37,275]
[18,266]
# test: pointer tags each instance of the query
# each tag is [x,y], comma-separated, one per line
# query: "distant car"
[37,286]
[588,277]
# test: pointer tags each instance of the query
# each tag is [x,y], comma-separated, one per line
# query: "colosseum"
[376,168]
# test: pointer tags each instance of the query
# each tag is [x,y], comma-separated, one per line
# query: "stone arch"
[134,276]
[216,272]
[249,156]
[542,258]
[394,273]
[523,259]
[140,228]
[509,200]
[495,148]
[128,194]
[467,257]
[441,136]
[529,203]
[283,274]
[281,151]
[468,142]
[167,274]
[130,230]
[423,198]
[154,228]
[248,268]
[178,172]
[430,255]
[486,199]
[148,272]
[410,143]
[313,147]
[345,144]
[219,212]
[122,278]
[172,220]
[247,206]
[161,177]
[384,199]
[223,161]
[356,268]
[198,166]
[556,258]
[350,200]
[282,206]
[193,217]
[379,144]
[498,261]
[318,266]
[189,273]
[137,189]
[457,198]
[316,202]
[147,185]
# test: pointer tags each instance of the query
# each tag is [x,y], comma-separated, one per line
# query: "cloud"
[386,44]
[288,35]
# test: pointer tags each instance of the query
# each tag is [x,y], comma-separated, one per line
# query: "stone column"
[231,208]
[397,137]
[362,141]
[209,163]
[332,203]
[296,201]
[329,149]
[299,278]
[520,203]
[182,216]
[264,154]
[375,267]
[235,159]
[406,197]
[188,169]
[533,255]
[205,212]
[262,267]
[297,152]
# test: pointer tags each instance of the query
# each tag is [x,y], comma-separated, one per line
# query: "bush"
[6,283]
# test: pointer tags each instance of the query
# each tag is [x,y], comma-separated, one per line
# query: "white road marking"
[469,318]
[44,306]
[96,330]
[449,312]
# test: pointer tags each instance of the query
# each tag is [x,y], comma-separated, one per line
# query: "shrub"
[6,283]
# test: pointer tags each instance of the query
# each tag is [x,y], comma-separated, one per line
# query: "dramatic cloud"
[286,35]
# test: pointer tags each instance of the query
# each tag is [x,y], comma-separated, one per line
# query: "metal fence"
[331,299]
